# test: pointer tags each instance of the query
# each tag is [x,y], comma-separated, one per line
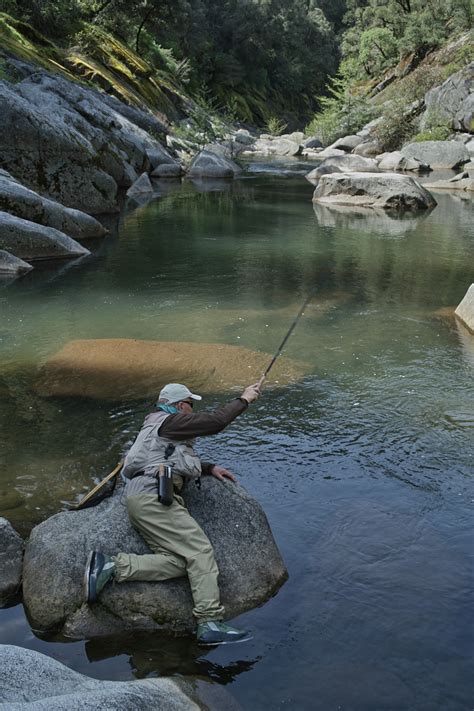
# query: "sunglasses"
[188,402]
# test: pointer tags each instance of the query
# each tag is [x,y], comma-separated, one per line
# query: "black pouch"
[165,485]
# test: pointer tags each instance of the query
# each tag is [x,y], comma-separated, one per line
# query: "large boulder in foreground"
[438,154]
[31,241]
[389,191]
[465,310]
[32,681]
[250,565]
[115,368]
[11,553]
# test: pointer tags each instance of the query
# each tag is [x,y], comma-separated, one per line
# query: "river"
[364,467]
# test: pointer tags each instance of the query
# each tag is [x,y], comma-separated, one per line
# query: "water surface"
[364,467]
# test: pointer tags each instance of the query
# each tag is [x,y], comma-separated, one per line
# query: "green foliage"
[379,31]
[439,133]
[437,127]
[275,126]
[378,49]
[343,112]
[396,126]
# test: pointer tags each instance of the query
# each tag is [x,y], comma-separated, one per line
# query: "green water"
[364,466]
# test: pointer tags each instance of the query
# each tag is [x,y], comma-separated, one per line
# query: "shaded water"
[364,467]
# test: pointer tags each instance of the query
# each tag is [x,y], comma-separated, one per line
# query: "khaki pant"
[179,547]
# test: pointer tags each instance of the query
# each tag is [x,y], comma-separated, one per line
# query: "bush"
[275,126]
[396,126]
[439,133]
[343,112]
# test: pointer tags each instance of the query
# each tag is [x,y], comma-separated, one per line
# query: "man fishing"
[180,546]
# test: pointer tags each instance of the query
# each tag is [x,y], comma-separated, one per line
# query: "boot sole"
[88,593]
[230,641]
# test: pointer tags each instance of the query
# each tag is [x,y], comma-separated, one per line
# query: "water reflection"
[383,222]
[149,655]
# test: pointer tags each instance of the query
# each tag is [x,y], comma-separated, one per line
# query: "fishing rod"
[282,344]
[278,352]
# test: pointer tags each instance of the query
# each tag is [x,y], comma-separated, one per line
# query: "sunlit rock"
[397,161]
[389,191]
[438,154]
[465,310]
[32,680]
[11,553]
[348,143]
[342,164]
[465,184]
[250,565]
[133,369]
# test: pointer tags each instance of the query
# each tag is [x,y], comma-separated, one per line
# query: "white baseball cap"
[175,392]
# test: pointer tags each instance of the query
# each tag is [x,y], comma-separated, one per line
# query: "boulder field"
[250,565]
[117,368]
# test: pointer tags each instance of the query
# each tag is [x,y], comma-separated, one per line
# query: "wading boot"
[216,632]
[100,569]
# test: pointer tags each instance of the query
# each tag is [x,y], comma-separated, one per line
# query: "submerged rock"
[389,191]
[250,565]
[11,553]
[128,369]
[28,240]
[9,264]
[465,310]
[34,681]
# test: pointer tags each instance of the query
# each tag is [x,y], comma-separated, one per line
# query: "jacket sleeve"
[202,424]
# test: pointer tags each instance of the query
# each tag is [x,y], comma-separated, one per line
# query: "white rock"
[390,191]
[348,143]
[344,163]
[465,310]
[397,161]
[438,154]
